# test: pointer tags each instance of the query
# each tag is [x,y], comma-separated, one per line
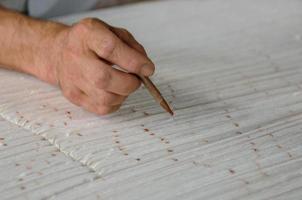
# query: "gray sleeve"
[19,5]
[52,8]
[49,8]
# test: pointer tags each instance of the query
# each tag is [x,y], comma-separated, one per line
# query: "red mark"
[206,165]
[236,124]
[205,140]
[231,171]
[194,163]
[152,134]
[29,167]
[279,146]
[270,135]
[65,123]
[146,130]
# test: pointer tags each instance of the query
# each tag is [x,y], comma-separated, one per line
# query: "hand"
[83,60]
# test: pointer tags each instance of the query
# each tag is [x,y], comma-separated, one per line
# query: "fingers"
[111,48]
[122,83]
[128,38]
[119,53]
[107,104]
[73,94]
[100,110]
[86,74]
[100,76]
[102,98]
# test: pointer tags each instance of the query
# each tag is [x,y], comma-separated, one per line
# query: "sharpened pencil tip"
[171,113]
[166,106]
[156,94]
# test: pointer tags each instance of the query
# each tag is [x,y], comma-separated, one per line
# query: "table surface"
[232,72]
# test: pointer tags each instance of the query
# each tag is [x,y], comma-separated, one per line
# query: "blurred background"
[54,8]
[109,3]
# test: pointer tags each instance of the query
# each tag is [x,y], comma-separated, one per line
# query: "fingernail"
[147,70]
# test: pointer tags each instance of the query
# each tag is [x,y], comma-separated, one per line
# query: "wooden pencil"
[156,94]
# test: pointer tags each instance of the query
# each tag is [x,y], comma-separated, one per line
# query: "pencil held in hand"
[156,94]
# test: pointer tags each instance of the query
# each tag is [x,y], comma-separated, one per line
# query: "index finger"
[110,48]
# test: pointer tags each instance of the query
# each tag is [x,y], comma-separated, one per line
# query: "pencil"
[156,94]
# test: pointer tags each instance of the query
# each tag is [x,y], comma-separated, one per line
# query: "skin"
[77,58]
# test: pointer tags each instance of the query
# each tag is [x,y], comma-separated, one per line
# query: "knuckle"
[73,96]
[81,28]
[126,33]
[134,65]
[141,47]
[107,46]
[84,26]
[105,100]
[102,79]
[88,22]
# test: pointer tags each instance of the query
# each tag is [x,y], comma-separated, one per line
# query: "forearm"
[27,44]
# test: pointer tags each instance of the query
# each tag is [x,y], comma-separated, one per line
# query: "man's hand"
[83,65]
[79,59]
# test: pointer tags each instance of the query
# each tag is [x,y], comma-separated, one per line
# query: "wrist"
[29,45]
[46,55]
